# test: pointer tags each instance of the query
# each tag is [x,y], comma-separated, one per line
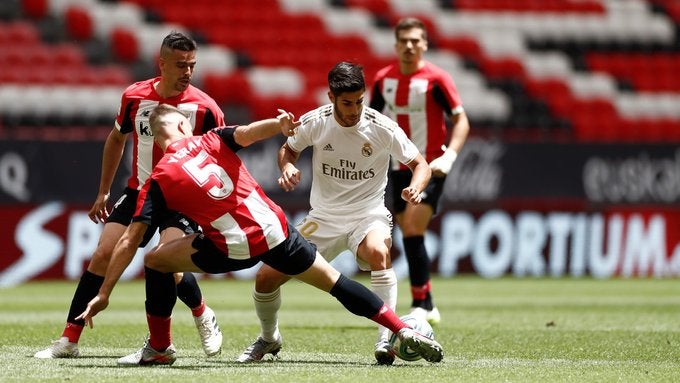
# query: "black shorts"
[124,209]
[402,178]
[291,257]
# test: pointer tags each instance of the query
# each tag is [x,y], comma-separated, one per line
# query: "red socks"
[420,292]
[389,319]
[159,330]
[198,310]
[72,332]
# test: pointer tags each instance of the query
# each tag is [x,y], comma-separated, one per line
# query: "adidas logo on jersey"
[328,147]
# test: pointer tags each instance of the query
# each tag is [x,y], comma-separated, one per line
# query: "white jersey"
[350,163]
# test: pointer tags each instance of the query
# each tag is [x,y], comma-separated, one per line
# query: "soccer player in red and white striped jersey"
[418,94]
[176,63]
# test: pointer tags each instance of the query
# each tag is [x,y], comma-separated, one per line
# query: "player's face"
[177,68]
[347,107]
[411,45]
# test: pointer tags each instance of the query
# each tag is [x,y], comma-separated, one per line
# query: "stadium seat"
[615,59]
[19,33]
[79,24]
[232,88]
[35,9]
[124,45]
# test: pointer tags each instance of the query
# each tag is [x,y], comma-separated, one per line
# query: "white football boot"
[147,356]
[61,348]
[256,351]
[431,316]
[209,331]
[428,348]
[383,353]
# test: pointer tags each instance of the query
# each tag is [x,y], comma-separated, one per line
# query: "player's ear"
[331,96]
[184,127]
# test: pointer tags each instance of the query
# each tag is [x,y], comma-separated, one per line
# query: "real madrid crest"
[367,150]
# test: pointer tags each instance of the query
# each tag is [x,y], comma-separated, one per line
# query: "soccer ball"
[419,325]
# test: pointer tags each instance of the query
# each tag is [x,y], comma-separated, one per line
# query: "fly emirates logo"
[347,170]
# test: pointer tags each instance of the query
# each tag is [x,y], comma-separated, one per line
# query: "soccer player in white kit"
[352,145]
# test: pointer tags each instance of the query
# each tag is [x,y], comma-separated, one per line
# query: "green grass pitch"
[493,330]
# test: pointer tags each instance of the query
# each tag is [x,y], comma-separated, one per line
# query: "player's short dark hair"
[179,41]
[346,77]
[409,23]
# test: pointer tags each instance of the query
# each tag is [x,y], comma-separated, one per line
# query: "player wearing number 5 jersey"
[352,145]
[177,59]
[203,178]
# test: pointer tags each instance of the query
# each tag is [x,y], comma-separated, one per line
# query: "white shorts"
[332,234]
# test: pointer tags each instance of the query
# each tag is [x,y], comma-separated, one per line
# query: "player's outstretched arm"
[120,259]
[260,130]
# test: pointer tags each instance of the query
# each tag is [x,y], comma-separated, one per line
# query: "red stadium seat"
[502,68]
[124,45]
[465,46]
[78,23]
[113,75]
[20,33]
[35,9]
[228,89]
[69,55]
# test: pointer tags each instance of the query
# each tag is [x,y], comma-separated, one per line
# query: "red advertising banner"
[521,209]
[48,241]
[55,240]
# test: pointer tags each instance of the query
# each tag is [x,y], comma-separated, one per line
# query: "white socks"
[384,285]
[267,307]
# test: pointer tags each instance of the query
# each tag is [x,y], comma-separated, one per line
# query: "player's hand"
[288,123]
[97,304]
[411,195]
[290,178]
[99,211]
[441,166]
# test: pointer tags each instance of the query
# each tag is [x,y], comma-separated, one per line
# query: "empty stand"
[600,70]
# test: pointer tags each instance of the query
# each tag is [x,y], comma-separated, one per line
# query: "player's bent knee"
[267,279]
[153,261]
[100,261]
[377,258]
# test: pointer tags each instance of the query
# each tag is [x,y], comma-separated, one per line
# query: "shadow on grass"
[203,364]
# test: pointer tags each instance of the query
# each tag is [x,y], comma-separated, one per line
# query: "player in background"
[352,145]
[417,94]
[242,227]
[176,63]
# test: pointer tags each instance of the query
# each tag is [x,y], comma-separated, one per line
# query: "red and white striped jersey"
[417,102]
[136,105]
[203,178]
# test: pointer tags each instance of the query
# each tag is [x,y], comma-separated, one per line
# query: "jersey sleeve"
[214,117]
[226,133]
[446,94]
[209,121]
[403,149]
[302,137]
[377,100]
[124,122]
